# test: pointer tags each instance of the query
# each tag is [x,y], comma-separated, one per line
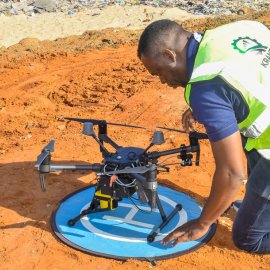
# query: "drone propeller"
[195,134]
[46,151]
[100,122]
[140,169]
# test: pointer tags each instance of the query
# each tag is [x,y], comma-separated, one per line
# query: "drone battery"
[115,191]
[106,201]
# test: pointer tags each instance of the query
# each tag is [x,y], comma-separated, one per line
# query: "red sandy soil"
[96,75]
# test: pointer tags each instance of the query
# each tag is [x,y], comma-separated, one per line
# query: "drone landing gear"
[112,204]
[95,207]
[73,221]
[165,220]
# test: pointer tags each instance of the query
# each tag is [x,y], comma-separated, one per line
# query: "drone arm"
[155,155]
[102,147]
[107,139]
[96,167]
[46,167]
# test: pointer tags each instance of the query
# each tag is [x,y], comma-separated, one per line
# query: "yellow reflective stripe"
[259,125]
[260,143]
[187,93]
[257,109]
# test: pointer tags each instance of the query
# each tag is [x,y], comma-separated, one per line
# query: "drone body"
[123,173]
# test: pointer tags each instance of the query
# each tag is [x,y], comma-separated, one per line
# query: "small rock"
[13,11]
[48,5]
[243,11]
[61,127]
[70,12]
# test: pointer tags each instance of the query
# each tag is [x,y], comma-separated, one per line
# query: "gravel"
[71,7]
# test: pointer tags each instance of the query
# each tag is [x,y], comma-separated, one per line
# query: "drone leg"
[93,208]
[73,221]
[161,210]
[151,237]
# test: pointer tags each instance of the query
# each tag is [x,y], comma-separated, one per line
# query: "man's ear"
[169,54]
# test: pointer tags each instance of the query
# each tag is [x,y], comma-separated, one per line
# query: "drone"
[125,171]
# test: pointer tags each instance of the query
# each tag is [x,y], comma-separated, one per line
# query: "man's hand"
[190,231]
[188,120]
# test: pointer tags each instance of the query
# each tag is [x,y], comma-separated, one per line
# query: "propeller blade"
[195,134]
[141,169]
[172,129]
[41,158]
[49,146]
[46,151]
[98,122]
[83,120]
[124,125]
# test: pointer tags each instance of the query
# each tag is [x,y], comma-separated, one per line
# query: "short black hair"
[155,34]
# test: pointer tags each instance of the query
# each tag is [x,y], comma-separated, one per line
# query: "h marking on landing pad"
[129,217]
[141,227]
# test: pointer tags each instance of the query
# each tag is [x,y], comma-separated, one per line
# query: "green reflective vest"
[239,53]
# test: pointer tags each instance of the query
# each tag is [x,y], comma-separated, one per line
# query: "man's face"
[165,66]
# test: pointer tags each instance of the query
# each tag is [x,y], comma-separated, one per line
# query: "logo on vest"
[247,44]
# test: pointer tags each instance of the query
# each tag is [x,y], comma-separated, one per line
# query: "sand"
[95,75]
[49,26]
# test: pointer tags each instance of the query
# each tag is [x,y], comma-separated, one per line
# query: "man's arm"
[226,182]
[227,179]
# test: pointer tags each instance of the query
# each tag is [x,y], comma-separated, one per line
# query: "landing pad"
[122,233]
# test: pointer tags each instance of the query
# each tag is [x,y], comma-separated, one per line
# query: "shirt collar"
[193,45]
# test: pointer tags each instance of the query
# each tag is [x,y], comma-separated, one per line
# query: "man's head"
[162,50]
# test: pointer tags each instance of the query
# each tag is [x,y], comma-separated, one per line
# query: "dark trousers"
[251,228]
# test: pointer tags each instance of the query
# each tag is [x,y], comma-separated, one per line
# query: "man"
[226,75]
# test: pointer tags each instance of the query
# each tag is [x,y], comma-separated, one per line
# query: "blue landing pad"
[122,233]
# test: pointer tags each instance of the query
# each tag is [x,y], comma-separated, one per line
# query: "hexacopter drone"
[124,172]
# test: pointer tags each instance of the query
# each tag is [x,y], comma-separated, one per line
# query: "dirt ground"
[96,75]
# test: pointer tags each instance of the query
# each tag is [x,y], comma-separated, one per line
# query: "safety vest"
[239,53]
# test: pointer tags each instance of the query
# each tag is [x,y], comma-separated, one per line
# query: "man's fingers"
[171,237]
[183,238]
[185,121]
[188,120]
[177,241]
[190,231]
[176,238]
[190,123]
